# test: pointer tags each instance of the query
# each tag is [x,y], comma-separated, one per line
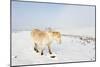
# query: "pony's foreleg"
[41,51]
[49,48]
[35,48]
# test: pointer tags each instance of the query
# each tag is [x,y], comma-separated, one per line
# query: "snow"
[72,49]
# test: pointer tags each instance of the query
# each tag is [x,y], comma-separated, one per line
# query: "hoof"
[36,50]
[41,53]
[53,56]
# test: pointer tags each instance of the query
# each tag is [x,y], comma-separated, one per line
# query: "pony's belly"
[41,47]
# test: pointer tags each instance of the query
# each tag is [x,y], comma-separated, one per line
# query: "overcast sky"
[52,15]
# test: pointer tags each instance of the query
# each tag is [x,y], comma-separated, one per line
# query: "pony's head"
[57,36]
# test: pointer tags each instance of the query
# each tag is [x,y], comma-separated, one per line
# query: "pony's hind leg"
[35,48]
[49,48]
[42,52]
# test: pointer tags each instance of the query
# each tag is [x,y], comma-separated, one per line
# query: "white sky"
[43,15]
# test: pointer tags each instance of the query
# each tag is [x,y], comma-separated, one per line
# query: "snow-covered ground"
[73,49]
